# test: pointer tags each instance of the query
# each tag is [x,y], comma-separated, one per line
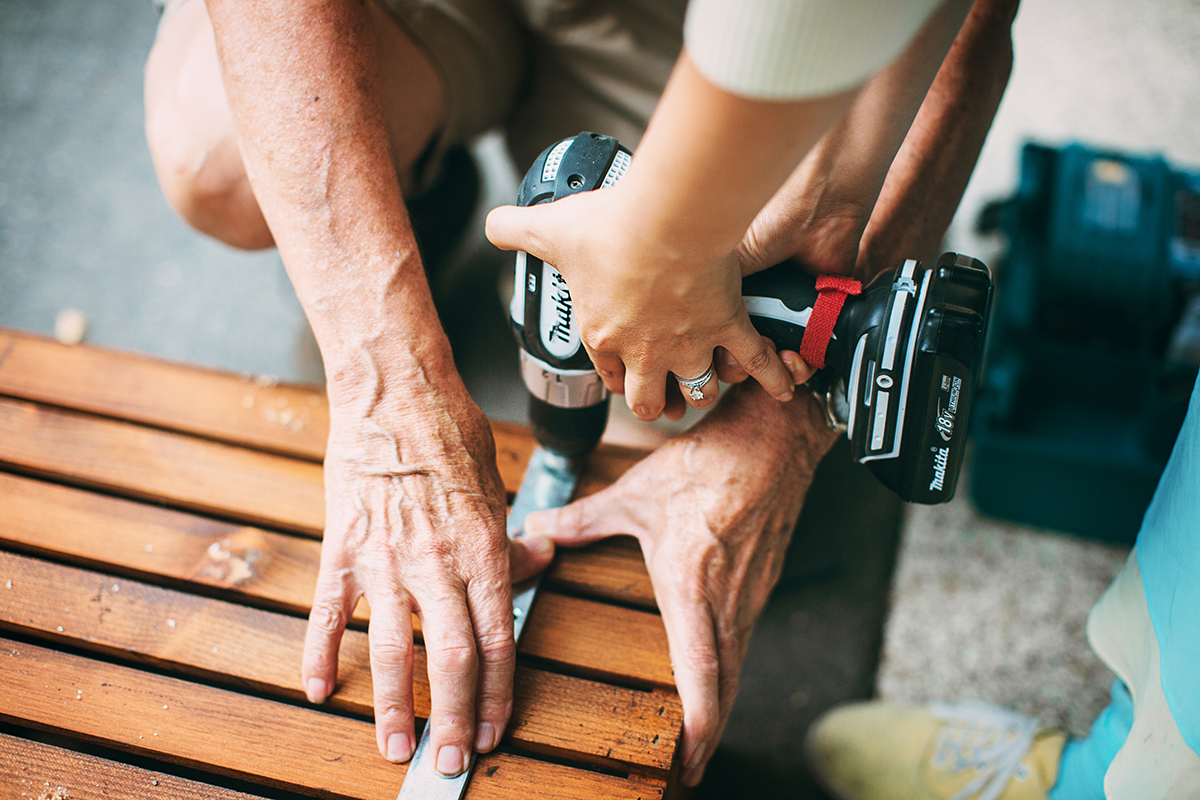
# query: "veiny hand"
[714,516]
[415,521]
[646,307]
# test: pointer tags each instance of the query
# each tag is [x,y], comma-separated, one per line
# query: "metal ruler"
[549,482]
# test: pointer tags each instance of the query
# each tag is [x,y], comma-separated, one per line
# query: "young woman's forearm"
[711,159]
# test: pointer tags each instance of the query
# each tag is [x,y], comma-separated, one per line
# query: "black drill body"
[901,366]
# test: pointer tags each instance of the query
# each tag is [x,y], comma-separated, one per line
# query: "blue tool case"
[1094,341]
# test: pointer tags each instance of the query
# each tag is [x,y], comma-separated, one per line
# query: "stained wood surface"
[279,571]
[146,463]
[161,522]
[250,411]
[249,738]
[275,569]
[614,727]
[213,478]
[36,771]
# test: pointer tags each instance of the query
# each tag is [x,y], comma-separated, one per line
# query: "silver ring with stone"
[695,386]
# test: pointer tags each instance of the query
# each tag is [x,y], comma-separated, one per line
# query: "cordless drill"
[901,355]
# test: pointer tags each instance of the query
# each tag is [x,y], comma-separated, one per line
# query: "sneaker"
[968,751]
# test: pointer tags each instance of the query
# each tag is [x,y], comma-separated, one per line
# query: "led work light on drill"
[897,359]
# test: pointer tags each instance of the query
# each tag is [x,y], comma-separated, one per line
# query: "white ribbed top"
[781,49]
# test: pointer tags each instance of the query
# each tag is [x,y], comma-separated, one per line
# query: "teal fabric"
[1168,553]
[1084,761]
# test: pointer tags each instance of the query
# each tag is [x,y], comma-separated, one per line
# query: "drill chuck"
[901,361]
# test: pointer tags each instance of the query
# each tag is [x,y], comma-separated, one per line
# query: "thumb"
[577,524]
[528,555]
[518,228]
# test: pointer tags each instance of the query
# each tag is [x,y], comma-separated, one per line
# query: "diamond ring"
[695,386]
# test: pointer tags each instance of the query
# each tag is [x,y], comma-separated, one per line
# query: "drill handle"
[780,301]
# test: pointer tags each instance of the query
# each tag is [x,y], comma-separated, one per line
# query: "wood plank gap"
[243,410]
[248,649]
[279,572]
[31,769]
[179,721]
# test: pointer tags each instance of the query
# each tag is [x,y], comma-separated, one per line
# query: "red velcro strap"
[831,296]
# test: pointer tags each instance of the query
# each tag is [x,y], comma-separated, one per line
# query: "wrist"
[794,434]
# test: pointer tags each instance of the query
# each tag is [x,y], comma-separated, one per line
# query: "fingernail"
[795,365]
[697,757]
[485,737]
[692,777]
[450,761]
[316,690]
[533,524]
[538,546]
[783,397]
[400,747]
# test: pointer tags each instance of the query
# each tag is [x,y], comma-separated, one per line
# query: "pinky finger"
[800,371]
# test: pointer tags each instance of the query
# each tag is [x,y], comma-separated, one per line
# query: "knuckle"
[757,361]
[453,727]
[453,654]
[327,618]
[390,648]
[601,340]
[396,710]
[702,660]
[497,648]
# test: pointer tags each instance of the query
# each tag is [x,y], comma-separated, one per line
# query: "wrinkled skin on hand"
[416,524]
[714,510]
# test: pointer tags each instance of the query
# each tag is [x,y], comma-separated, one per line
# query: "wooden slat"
[37,771]
[611,569]
[616,644]
[280,572]
[240,409]
[273,569]
[244,410]
[208,477]
[151,464]
[277,570]
[249,738]
[569,718]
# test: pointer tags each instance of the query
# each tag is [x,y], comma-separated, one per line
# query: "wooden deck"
[159,541]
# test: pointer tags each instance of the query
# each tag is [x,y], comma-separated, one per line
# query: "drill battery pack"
[1094,343]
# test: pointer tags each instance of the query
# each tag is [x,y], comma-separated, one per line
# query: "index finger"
[760,360]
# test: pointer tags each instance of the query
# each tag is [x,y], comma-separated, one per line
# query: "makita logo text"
[561,295]
[940,456]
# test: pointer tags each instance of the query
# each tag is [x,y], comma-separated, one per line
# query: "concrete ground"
[977,607]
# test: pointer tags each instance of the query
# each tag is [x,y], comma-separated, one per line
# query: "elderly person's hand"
[714,516]
[416,524]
